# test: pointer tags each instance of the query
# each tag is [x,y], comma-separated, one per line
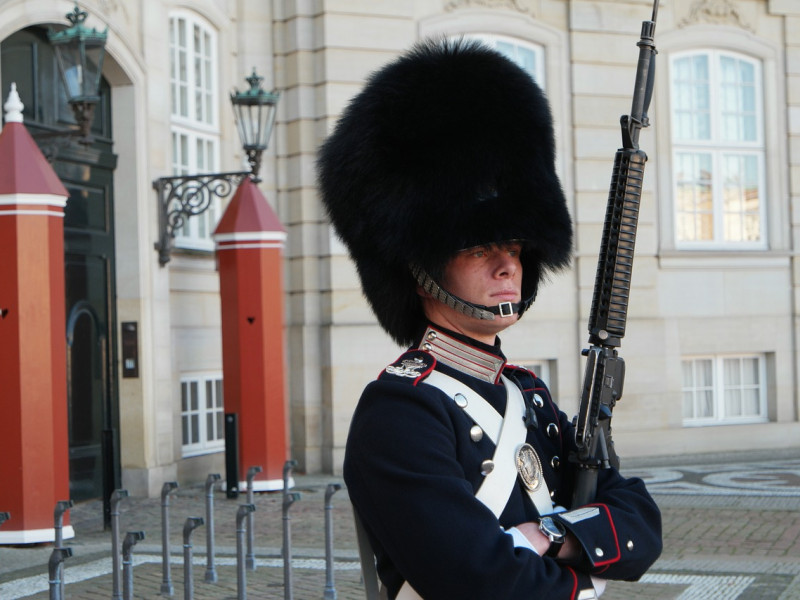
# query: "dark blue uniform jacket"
[412,470]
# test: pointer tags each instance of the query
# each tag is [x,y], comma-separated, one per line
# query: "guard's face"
[486,275]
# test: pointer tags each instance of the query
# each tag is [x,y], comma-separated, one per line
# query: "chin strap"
[476,311]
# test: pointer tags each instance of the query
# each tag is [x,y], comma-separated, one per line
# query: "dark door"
[87,173]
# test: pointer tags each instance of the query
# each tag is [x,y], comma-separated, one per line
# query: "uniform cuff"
[520,541]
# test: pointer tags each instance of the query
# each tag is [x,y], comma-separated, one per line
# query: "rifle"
[605,369]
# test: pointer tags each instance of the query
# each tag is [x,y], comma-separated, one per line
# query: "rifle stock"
[605,369]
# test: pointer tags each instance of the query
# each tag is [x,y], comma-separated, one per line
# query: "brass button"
[552,430]
[476,433]
[537,400]
[598,551]
[487,467]
[555,462]
[431,336]
[461,400]
[427,347]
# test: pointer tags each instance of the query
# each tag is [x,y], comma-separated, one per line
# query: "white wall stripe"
[51,213]
[246,246]
[247,236]
[33,199]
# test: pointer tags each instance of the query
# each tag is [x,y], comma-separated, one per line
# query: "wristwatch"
[555,532]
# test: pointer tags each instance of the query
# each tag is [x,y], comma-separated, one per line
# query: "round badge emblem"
[529,467]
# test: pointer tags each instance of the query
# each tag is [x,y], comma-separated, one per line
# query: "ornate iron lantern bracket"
[184,196]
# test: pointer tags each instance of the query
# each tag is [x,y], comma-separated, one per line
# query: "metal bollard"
[241,577]
[62,506]
[127,561]
[211,569]
[330,589]
[287,471]
[189,526]
[288,499]
[55,571]
[251,557]
[116,498]
[166,582]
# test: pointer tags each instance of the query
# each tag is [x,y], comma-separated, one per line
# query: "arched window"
[718,150]
[529,57]
[194,115]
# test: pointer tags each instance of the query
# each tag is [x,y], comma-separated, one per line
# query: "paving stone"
[731,532]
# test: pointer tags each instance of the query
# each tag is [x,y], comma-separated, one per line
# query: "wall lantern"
[80,52]
[255,116]
[183,196]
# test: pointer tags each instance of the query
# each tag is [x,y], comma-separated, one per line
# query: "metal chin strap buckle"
[506,309]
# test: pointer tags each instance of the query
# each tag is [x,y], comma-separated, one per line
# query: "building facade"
[712,337]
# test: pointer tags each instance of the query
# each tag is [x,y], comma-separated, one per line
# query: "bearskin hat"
[448,147]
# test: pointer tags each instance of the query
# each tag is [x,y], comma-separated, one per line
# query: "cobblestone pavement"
[731,532]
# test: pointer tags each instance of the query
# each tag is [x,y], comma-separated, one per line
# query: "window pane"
[185,426]
[220,425]
[741,198]
[751,403]
[731,371]
[195,429]
[733,403]
[705,373]
[750,371]
[691,98]
[706,408]
[694,201]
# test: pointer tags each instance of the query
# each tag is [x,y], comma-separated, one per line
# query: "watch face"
[552,529]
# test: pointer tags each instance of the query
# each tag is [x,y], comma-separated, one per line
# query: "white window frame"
[720,415]
[717,149]
[202,426]
[196,119]
[497,42]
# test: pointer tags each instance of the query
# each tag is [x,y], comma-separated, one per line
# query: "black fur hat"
[448,147]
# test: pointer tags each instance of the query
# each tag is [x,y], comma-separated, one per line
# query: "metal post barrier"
[330,588]
[55,571]
[127,561]
[62,506]
[116,498]
[211,569]
[289,498]
[232,455]
[189,526]
[241,577]
[251,557]
[287,472]
[166,582]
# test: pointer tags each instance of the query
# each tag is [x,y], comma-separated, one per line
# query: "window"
[194,126]
[202,415]
[721,390]
[718,146]
[528,57]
